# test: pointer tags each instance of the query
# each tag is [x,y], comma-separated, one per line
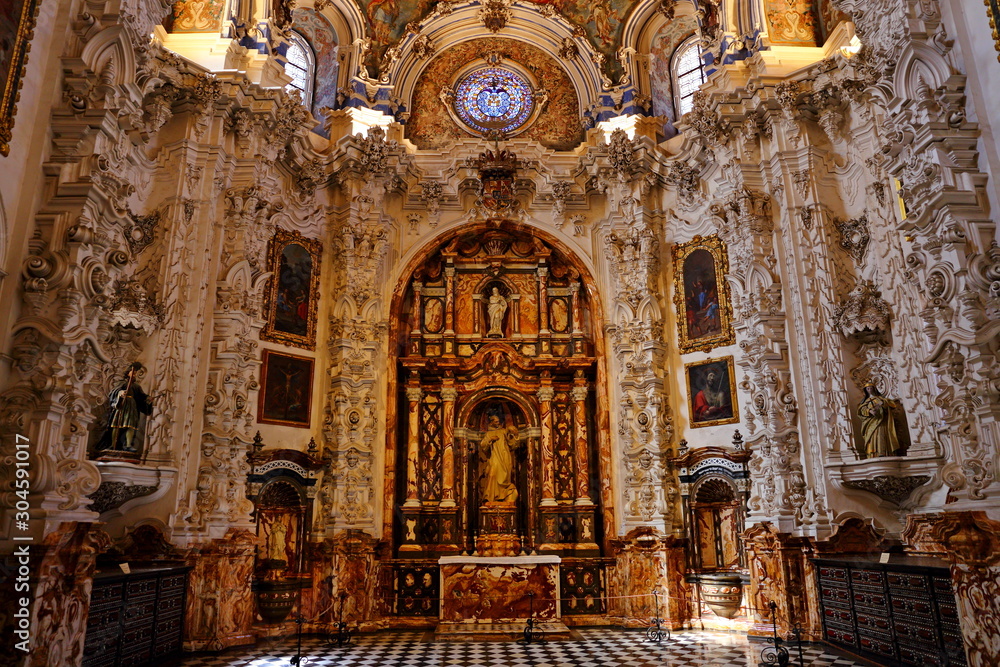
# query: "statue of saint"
[878,428]
[126,401]
[496,309]
[497,450]
[276,541]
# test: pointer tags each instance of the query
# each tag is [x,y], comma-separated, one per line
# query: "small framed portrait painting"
[293,292]
[711,386]
[285,390]
[701,295]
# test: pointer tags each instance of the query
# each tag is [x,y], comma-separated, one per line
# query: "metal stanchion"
[775,654]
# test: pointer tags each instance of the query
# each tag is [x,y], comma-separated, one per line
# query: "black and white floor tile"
[593,648]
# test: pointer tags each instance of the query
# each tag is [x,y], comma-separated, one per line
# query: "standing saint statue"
[126,402]
[497,450]
[878,428]
[496,309]
[276,541]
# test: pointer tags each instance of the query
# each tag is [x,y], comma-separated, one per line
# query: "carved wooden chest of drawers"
[137,618]
[897,613]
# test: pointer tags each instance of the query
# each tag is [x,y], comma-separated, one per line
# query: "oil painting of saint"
[703,310]
[711,392]
[286,390]
[292,309]
[292,297]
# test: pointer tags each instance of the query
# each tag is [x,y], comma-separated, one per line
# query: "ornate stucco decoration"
[495,14]
[895,489]
[497,171]
[854,236]
[864,314]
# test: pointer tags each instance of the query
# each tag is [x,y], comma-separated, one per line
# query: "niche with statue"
[282,508]
[714,485]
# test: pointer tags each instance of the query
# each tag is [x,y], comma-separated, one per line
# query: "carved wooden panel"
[897,614]
[416,589]
[582,586]
[136,619]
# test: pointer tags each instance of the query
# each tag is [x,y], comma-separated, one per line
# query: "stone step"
[499,632]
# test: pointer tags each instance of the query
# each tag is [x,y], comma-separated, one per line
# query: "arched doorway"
[496,442]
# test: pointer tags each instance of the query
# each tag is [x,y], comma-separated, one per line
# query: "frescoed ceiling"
[600,21]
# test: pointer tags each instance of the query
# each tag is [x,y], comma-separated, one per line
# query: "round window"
[494,99]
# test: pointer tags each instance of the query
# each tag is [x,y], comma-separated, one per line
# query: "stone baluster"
[579,394]
[413,395]
[545,394]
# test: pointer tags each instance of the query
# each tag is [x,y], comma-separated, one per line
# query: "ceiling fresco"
[601,22]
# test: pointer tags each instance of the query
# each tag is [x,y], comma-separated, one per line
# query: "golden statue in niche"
[878,428]
[497,449]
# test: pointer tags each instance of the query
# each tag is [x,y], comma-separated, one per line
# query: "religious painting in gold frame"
[993,11]
[293,291]
[17,26]
[711,391]
[285,395]
[701,295]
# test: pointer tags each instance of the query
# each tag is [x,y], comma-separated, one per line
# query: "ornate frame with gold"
[993,11]
[731,384]
[725,336]
[17,58]
[283,238]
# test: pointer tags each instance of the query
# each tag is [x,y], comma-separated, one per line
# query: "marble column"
[545,394]
[579,394]
[544,335]
[417,323]
[448,395]
[577,331]
[413,395]
[449,310]
[543,300]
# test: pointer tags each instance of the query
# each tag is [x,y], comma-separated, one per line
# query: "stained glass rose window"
[493,98]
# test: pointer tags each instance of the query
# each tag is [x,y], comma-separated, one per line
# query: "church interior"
[425,332]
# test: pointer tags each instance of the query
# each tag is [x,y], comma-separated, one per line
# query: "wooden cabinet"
[898,613]
[137,618]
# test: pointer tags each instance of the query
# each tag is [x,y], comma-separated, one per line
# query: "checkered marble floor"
[594,648]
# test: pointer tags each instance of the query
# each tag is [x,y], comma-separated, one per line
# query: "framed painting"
[285,390]
[293,291]
[711,386]
[701,294]
[17,25]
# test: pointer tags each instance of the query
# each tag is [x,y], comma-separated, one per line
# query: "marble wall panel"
[972,542]
[646,561]
[221,606]
[64,571]
[498,593]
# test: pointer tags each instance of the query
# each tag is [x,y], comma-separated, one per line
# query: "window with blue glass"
[494,99]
